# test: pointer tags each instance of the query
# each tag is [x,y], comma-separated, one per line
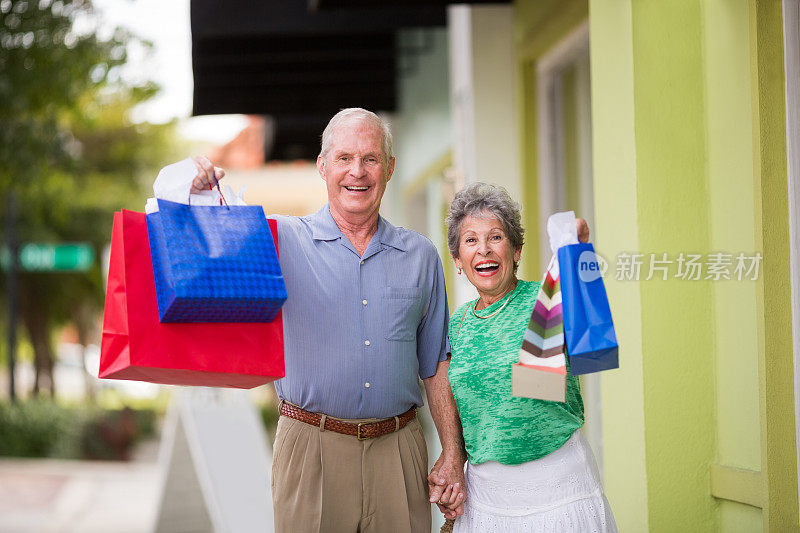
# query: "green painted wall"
[672,211]
[616,208]
[688,156]
[778,446]
[543,23]
[729,135]
[539,25]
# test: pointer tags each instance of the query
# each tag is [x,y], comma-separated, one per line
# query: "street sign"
[41,257]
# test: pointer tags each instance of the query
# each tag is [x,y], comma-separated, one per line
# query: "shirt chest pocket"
[402,307]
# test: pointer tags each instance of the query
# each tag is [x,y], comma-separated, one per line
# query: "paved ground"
[55,496]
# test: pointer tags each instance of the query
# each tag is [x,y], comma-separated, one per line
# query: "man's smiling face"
[355,170]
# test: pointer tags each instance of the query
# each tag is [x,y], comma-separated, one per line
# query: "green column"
[673,204]
[616,217]
[778,446]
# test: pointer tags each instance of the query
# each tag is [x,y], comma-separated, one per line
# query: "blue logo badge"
[591,266]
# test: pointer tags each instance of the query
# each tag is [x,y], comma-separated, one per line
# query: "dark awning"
[275,57]
[320,5]
[289,74]
[227,18]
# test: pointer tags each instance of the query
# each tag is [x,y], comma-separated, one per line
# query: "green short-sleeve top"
[498,426]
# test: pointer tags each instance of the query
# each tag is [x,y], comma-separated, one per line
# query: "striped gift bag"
[542,369]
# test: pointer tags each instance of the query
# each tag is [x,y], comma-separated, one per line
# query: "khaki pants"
[324,481]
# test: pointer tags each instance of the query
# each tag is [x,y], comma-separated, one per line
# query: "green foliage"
[68,149]
[40,428]
[146,421]
[269,416]
[111,399]
[37,429]
[46,66]
[69,152]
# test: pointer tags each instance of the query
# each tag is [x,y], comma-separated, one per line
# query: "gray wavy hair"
[479,200]
[358,114]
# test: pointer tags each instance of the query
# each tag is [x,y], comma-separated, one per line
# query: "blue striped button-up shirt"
[359,331]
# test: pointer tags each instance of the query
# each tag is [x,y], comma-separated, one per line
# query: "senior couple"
[366,319]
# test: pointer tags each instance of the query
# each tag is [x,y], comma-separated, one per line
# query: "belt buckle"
[358,431]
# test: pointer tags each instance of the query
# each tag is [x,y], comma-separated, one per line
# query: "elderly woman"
[529,466]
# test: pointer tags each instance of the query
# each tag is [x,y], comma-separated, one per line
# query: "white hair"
[358,114]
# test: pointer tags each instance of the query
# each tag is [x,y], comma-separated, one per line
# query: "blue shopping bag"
[588,328]
[214,264]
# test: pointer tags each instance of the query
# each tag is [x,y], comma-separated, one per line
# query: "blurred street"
[53,496]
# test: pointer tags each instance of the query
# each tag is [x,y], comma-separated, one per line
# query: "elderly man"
[365,319]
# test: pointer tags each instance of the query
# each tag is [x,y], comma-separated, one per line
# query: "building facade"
[665,126]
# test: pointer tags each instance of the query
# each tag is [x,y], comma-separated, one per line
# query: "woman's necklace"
[496,312]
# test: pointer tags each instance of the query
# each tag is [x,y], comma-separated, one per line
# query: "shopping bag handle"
[223,201]
[219,189]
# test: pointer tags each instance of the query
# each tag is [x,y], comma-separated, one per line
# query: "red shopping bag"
[137,346]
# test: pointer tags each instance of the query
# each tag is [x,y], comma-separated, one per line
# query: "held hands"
[583,230]
[206,171]
[446,486]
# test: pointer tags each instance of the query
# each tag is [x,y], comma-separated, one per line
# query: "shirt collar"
[390,235]
[324,228]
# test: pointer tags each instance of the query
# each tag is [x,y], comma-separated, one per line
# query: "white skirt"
[558,493]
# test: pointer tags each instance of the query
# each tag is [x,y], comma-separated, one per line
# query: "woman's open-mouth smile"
[487,268]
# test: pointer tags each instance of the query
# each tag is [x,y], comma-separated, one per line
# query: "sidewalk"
[59,496]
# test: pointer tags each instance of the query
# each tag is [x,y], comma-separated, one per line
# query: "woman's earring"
[459,271]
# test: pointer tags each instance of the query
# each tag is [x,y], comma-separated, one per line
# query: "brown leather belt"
[360,430]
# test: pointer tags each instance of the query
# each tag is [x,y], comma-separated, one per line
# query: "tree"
[69,152]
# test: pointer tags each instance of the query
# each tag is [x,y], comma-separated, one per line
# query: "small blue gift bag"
[214,264]
[588,329]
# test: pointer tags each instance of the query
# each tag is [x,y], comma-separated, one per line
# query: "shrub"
[41,428]
[110,435]
[37,428]
[270,415]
